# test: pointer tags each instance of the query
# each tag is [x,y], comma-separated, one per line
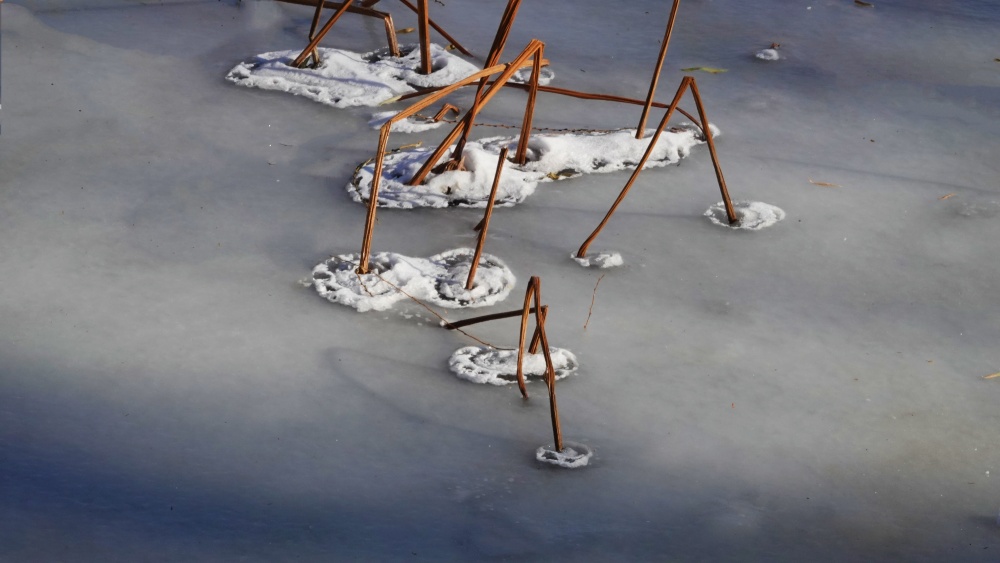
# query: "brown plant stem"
[297,63]
[656,72]
[486,221]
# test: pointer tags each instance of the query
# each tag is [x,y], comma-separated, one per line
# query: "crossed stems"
[533,294]
[686,82]
[423,19]
[534,49]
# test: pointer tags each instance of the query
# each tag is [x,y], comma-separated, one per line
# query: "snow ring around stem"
[751,215]
[523,76]
[499,367]
[603,260]
[493,281]
[439,280]
[336,279]
[572,456]
[768,54]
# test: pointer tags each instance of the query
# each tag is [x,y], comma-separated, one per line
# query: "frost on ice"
[753,215]
[607,259]
[550,157]
[499,367]
[439,280]
[346,78]
[573,455]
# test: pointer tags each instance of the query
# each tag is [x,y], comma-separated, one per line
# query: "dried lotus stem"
[444,111]
[423,24]
[363,10]
[534,292]
[686,82]
[656,72]
[486,220]
[297,63]
[707,130]
[440,30]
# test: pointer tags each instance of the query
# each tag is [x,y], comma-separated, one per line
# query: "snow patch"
[550,157]
[606,259]
[439,280]
[346,78]
[499,367]
[752,215]
[768,55]
[572,456]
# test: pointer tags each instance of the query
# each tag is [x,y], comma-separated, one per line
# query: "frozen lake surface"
[812,391]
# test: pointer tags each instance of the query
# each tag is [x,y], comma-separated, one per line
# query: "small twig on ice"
[592,299]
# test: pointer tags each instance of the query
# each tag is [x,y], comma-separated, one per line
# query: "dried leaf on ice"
[710,69]
[824,184]
[992,375]
[407,30]
[864,4]
[947,196]
[564,173]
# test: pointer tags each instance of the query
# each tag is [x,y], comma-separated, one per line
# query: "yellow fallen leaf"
[407,30]
[564,173]
[992,375]
[710,69]
[947,196]
[824,184]
[450,47]
[864,4]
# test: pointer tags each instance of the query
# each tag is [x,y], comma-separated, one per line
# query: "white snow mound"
[439,280]
[607,259]
[346,78]
[550,157]
[499,367]
[752,215]
[768,55]
[572,456]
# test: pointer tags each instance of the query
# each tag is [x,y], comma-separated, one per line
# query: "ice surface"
[551,157]
[439,280]
[812,392]
[499,367]
[605,259]
[346,78]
